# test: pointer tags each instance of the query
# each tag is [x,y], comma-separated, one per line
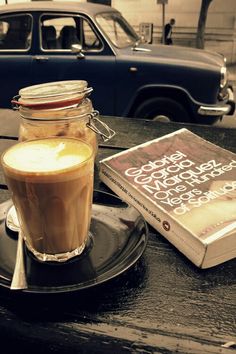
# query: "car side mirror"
[78,50]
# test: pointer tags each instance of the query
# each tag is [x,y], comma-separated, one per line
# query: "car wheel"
[162,109]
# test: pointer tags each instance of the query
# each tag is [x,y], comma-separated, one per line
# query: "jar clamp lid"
[68,98]
[52,95]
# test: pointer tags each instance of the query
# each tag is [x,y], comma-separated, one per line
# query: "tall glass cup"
[51,181]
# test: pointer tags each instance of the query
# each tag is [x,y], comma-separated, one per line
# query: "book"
[185,187]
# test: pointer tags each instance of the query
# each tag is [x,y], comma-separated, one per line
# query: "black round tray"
[118,237]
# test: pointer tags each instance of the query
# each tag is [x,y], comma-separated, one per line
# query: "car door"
[56,61]
[15,55]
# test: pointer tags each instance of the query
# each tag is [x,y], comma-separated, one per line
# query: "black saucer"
[118,237]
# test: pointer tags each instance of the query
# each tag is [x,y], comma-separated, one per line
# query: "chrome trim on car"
[227,108]
[213,111]
[223,76]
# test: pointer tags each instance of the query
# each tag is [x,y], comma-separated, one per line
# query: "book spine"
[192,249]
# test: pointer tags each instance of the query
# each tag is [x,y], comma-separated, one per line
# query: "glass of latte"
[51,181]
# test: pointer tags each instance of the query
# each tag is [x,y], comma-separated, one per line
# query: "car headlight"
[223,76]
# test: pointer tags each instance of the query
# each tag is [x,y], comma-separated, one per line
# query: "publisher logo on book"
[166,225]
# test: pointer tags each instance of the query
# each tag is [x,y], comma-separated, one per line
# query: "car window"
[117,29]
[61,32]
[91,40]
[15,32]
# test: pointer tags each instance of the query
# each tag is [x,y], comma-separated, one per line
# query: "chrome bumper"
[227,108]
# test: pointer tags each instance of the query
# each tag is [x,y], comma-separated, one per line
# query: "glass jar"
[70,122]
[59,109]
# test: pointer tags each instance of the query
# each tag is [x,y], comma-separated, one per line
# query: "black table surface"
[162,304]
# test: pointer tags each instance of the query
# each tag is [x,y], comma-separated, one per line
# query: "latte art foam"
[46,155]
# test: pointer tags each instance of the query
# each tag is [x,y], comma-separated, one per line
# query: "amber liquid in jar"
[60,109]
[63,122]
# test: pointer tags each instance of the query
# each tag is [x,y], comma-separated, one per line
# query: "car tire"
[162,109]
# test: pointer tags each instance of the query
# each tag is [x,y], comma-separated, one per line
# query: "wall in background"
[220,27]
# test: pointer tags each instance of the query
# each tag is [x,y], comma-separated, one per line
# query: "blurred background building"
[220,33]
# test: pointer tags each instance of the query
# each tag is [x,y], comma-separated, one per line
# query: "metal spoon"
[19,277]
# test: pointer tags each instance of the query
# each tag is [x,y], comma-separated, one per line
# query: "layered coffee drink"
[51,181]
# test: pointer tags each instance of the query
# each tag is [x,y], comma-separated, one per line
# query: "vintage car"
[51,41]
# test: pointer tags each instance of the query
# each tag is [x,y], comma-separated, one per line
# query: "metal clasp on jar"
[99,127]
[15,103]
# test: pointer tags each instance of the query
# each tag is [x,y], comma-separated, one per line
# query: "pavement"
[232,73]
[229,121]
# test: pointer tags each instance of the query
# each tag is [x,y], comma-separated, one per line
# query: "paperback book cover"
[185,187]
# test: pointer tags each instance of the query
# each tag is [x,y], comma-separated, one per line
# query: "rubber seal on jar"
[65,102]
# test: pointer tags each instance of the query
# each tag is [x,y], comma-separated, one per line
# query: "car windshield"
[117,29]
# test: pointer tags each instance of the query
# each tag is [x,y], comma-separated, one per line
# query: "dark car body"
[52,41]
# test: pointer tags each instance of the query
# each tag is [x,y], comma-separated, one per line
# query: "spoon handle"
[19,277]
